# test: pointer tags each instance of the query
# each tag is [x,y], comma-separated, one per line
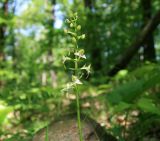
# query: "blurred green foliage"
[31,65]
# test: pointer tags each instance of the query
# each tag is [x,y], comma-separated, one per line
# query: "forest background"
[122,44]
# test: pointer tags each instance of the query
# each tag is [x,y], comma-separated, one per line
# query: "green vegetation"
[120,50]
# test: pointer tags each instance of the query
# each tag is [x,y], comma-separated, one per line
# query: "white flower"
[68,87]
[65,58]
[87,68]
[80,54]
[76,80]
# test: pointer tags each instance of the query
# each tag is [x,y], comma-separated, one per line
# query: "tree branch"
[136,44]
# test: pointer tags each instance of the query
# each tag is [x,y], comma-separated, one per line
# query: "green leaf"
[130,92]
[121,74]
[147,105]
[2,20]
[4,111]
[121,107]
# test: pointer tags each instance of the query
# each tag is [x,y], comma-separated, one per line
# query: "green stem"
[78,115]
[46,134]
[77,101]
[125,126]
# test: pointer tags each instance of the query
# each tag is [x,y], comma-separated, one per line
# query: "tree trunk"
[3,29]
[88,4]
[148,45]
[49,57]
[2,35]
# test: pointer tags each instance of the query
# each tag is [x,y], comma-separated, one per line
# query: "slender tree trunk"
[148,45]
[2,35]
[49,57]
[13,35]
[50,54]
[3,29]
[88,4]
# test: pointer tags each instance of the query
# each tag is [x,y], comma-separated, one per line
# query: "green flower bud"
[74,40]
[71,25]
[78,27]
[79,37]
[83,36]
[75,14]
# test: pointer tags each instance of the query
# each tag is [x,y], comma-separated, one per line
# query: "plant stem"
[78,115]
[46,134]
[77,100]
[125,126]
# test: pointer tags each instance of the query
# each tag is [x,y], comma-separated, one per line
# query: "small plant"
[75,56]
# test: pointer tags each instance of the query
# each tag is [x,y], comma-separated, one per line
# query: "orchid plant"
[76,56]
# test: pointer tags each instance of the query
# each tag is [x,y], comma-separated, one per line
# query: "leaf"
[121,107]
[2,20]
[131,91]
[4,111]
[147,105]
[121,74]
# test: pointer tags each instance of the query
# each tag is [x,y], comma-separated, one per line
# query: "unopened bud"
[71,25]
[83,36]
[75,14]
[78,27]
[74,39]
